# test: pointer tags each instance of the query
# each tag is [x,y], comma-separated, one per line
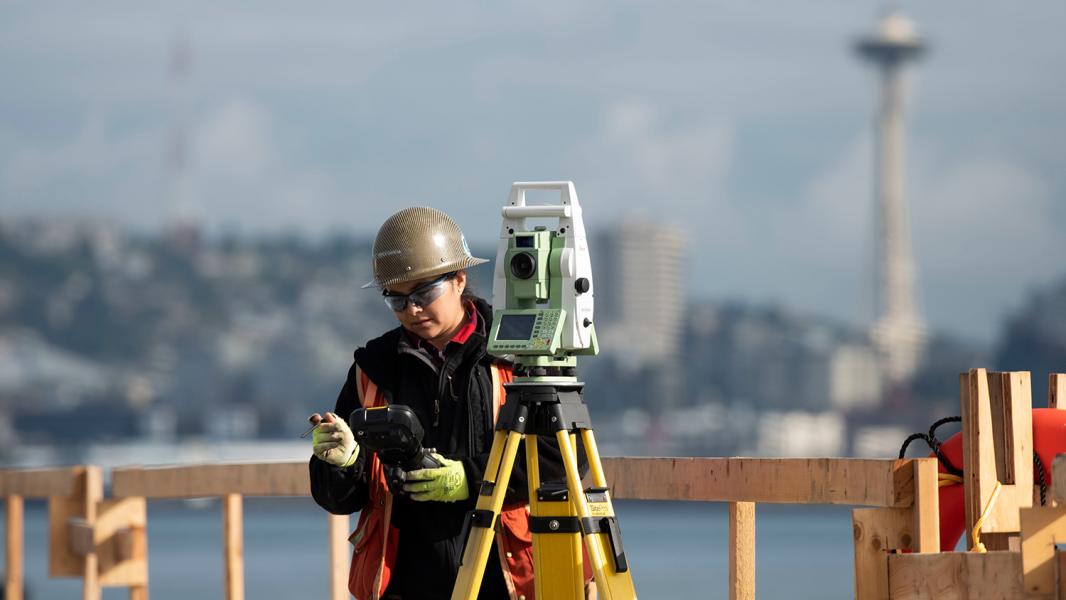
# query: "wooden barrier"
[212,480]
[103,541]
[742,482]
[230,483]
[847,481]
[997,441]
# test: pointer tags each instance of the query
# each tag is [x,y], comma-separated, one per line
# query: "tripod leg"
[557,560]
[595,465]
[602,537]
[489,503]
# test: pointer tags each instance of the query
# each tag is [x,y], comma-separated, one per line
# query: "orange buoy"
[1049,439]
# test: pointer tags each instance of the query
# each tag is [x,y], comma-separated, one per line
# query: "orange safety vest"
[375,538]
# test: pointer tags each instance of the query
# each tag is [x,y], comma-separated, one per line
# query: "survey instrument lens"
[523,265]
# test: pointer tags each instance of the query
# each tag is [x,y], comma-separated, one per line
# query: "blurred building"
[1034,338]
[640,301]
[771,359]
[797,433]
[854,377]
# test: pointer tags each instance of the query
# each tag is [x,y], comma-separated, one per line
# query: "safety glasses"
[422,296]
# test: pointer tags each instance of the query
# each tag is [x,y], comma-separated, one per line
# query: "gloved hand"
[442,484]
[333,441]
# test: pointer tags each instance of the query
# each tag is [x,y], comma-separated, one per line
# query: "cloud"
[988,211]
[241,176]
[835,208]
[96,172]
[236,174]
[644,160]
[985,234]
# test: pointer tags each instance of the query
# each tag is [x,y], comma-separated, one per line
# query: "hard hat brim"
[466,263]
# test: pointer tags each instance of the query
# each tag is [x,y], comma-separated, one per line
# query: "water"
[677,550]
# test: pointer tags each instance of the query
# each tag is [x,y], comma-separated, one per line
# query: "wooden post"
[138,592]
[233,545]
[997,445]
[1060,573]
[1056,390]
[881,531]
[1042,529]
[926,511]
[92,493]
[1058,480]
[13,579]
[139,551]
[338,556]
[877,531]
[741,551]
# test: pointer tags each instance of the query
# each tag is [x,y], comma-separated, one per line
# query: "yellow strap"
[977,545]
[946,479]
[370,394]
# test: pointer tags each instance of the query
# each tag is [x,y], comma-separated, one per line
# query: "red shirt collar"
[471,324]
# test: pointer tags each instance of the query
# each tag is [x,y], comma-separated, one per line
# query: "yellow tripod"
[561,513]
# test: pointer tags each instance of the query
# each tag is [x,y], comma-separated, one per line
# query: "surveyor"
[408,546]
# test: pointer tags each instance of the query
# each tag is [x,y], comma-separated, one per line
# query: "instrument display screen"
[516,327]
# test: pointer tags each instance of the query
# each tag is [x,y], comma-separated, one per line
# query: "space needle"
[898,331]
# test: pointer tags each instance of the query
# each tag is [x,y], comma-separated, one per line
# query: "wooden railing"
[75,488]
[105,539]
[231,482]
[896,539]
[906,489]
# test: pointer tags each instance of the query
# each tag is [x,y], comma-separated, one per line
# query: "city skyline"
[747,127]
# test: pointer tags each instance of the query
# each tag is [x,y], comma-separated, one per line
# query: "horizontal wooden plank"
[850,481]
[38,483]
[197,481]
[955,576]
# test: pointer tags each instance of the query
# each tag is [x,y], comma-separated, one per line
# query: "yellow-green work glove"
[333,441]
[443,484]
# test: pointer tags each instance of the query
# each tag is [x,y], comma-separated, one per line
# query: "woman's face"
[438,319]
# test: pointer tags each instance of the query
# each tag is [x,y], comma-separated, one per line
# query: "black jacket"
[454,404]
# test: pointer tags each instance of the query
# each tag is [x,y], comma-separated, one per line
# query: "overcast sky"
[748,124]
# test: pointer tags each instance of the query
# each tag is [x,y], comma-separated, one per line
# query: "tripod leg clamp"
[482,518]
[609,526]
[476,518]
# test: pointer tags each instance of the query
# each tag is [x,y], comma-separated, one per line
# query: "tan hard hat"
[417,243]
